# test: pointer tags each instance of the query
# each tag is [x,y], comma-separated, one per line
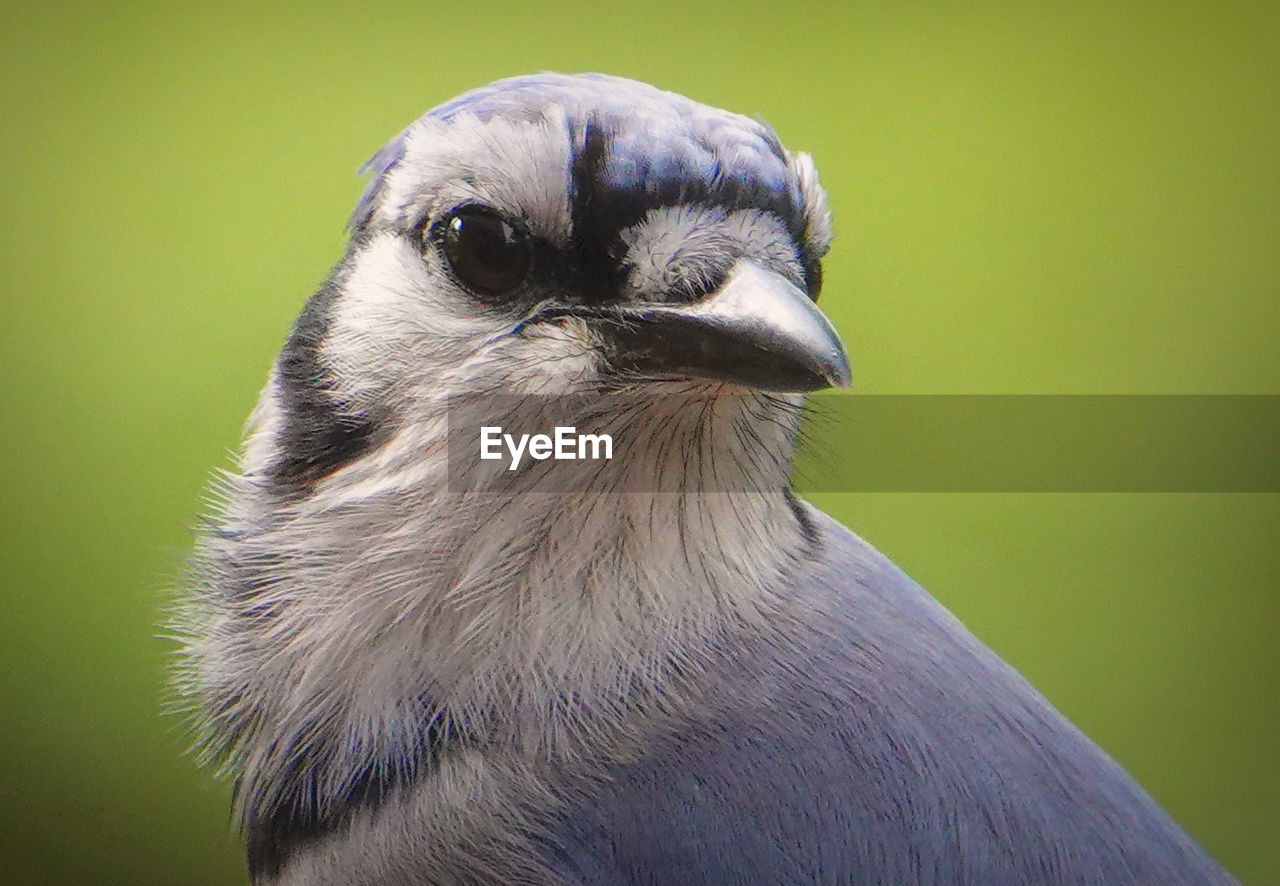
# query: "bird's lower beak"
[758,329]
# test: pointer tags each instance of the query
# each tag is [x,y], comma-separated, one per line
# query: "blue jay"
[412,684]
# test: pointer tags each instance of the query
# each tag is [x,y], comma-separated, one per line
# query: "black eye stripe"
[487,253]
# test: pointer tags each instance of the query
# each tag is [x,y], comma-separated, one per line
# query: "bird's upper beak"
[758,329]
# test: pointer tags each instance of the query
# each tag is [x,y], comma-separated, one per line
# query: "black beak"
[758,330]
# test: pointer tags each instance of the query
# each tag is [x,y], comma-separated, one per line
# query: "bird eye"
[487,253]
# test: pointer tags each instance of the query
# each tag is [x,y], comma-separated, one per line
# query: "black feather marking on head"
[317,437]
[594,232]
[631,174]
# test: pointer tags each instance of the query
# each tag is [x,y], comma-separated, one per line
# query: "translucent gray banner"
[1084,443]
[852,443]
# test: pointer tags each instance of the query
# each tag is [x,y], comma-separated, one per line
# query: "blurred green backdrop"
[1030,197]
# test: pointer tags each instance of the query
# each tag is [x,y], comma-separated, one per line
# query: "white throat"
[382,607]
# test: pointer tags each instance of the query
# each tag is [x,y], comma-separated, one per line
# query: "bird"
[420,665]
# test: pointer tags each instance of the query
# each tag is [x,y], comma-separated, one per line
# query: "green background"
[1029,197]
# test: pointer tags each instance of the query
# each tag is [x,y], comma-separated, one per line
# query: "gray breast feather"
[885,745]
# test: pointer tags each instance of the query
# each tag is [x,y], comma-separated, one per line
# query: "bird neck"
[385,617]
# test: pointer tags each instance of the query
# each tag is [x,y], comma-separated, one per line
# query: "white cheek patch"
[398,320]
[520,168]
[547,359]
[377,319]
[402,329]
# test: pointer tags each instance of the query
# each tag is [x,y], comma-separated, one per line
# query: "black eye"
[488,254]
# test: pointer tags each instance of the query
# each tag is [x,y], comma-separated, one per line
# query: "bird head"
[551,235]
